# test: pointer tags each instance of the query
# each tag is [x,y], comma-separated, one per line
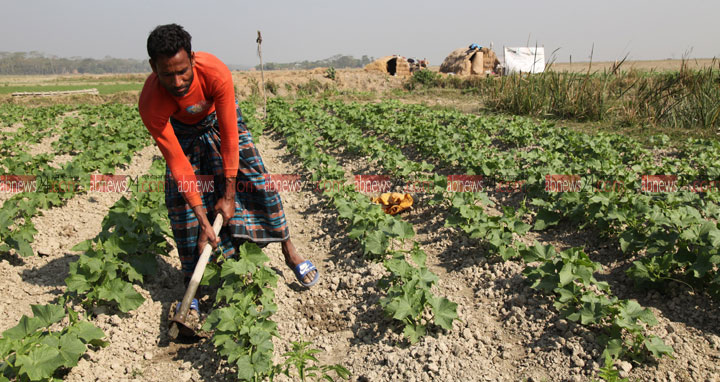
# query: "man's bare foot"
[292,259]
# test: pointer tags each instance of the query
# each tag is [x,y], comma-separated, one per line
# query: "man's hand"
[226,204]
[207,235]
[226,208]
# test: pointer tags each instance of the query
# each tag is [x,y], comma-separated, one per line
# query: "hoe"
[177,324]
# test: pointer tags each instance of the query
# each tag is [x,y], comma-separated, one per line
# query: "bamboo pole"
[262,73]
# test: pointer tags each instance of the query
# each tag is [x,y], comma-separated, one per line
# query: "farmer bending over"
[188,105]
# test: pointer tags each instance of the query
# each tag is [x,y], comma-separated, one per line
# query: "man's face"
[175,73]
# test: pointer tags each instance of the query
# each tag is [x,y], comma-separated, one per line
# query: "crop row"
[124,251]
[568,275]
[674,235]
[133,233]
[100,138]
[383,237]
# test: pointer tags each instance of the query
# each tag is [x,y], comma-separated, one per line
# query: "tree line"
[20,63]
[338,61]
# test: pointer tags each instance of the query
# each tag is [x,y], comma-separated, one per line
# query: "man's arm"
[155,115]
[226,110]
[182,172]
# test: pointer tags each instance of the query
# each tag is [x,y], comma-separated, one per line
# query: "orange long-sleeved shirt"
[211,90]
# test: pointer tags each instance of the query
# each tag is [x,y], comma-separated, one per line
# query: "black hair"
[167,40]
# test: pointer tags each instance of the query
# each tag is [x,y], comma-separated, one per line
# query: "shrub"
[330,73]
[425,77]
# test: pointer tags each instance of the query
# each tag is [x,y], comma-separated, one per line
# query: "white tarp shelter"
[525,60]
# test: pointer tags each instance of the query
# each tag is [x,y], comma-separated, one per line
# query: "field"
[106,84]
[539,247]
[657,65]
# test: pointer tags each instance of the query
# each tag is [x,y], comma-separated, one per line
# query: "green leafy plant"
[133,233]
[609,373]
[34,350]
[248,109]
[424,77]
[579,297]
[241,325]
[307,367]
[496,232]
[409,296]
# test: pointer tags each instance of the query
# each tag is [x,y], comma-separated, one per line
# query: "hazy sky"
[311,30]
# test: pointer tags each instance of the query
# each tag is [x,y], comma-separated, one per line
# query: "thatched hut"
[393,65]
[474,60]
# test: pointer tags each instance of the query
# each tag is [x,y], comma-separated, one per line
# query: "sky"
[312,30]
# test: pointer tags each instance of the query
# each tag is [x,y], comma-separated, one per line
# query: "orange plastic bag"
[394,202]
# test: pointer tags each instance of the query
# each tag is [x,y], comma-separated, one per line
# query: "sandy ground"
[289,81]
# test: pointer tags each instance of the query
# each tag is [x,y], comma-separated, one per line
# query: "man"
[188,105]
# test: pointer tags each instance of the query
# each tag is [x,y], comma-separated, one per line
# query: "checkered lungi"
[259,215]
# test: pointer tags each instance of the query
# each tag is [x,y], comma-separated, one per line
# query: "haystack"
[466,61]
[393,65]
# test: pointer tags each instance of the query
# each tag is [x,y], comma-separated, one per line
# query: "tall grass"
[688,98]
[683,99]
[561,95]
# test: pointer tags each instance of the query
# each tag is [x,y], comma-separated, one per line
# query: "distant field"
[102,88]
[656,65]
[351,79]
[69,79]
[105,84]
